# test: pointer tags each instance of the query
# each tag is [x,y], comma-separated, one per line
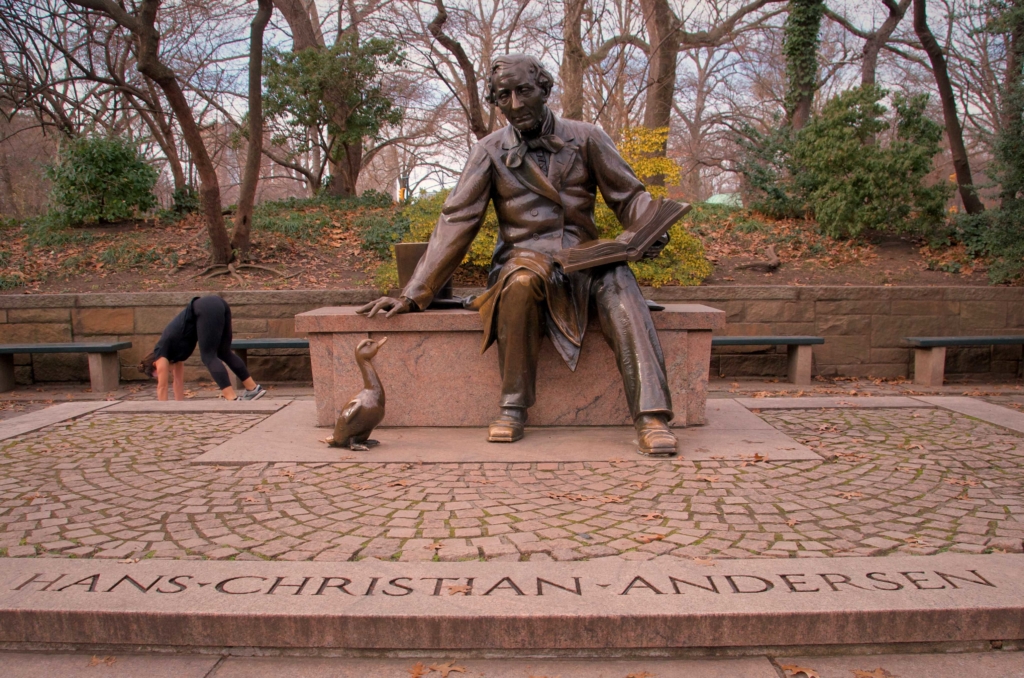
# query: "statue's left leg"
[629,330]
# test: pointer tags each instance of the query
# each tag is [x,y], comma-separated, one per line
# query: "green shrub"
[380,232]
[997,235]
[185,200]
[836,171]
[101,180]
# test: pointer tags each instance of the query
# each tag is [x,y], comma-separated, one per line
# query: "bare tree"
[954,132]
[143,26]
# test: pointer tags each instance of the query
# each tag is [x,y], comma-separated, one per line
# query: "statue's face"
[519,98]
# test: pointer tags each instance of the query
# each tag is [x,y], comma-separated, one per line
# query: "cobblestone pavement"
[898,480]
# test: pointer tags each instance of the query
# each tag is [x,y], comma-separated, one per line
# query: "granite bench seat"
[104,367]
[799,353]
[435,375]
[930,354]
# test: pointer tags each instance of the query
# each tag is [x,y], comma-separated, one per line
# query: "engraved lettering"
[372,586]
[36,580]
[840,579]
[298,587]
[712,586]
[440,582]
[326,584]
[768,586]
[540,586]
[640,582]
[222,586]
[793,584]
[877,577]
[916,582]
[173,581]
[511,585]
[394,582]
[135,584]
[949,577]
[92,580]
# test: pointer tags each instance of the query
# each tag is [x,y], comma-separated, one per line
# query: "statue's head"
[519,86]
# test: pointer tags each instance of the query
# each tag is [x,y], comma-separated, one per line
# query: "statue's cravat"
[548,141]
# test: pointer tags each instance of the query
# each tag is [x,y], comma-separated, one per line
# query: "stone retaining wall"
[863,327]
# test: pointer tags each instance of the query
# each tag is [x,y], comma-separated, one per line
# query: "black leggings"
[213,325]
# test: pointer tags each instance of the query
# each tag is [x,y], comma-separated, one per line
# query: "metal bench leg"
[6,372]
[929,366]
[236,383]
[800,360]
[104,372]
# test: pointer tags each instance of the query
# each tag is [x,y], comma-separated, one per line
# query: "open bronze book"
[629,245]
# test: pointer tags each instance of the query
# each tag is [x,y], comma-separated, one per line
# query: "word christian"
[493,586]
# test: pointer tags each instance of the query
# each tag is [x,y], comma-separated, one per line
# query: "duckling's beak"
[382,342]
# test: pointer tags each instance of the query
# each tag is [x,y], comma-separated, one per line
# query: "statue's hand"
[654,250]
[390,304]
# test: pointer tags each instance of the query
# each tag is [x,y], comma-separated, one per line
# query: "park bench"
[104,366]
[930,354]
[799,352]
[241,347]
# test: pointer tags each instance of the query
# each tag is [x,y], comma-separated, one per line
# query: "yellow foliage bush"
[682,262]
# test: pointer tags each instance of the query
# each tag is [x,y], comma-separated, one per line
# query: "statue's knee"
[523,283]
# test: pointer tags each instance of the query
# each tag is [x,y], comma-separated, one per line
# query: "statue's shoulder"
[578,131]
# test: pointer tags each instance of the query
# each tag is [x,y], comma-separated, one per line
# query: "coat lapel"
[563,160]
[529,173]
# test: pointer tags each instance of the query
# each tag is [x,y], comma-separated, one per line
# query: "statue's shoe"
[655,438]
[508,427]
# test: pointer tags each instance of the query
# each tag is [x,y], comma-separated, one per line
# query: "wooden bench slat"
[74,347]
[932,342]
[247,344]
[766,341]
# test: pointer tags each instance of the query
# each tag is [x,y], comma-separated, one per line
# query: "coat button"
[536,236]
[533,212]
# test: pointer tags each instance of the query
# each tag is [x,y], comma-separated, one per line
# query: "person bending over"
[206,321]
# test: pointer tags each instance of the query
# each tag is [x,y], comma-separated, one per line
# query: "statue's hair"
[541,76]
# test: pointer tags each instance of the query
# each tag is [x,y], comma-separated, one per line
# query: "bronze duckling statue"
[366,409]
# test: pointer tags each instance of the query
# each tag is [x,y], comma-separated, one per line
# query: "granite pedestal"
[435,375]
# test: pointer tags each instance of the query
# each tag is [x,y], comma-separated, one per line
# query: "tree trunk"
[574,61]
[954,132]
[801,49]
[663,33]
[1011,136]
[254,150]
[345,170]
[874,43]
[472,106]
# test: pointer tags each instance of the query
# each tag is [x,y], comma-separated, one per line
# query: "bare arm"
[178,371]
[163,373]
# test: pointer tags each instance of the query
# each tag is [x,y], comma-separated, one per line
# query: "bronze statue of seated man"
[542,173]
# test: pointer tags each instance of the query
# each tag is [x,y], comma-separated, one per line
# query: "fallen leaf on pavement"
[653,516]
[962,483]
[792,521]
[359,488]
[794,670]
[400,483]
[445,669]
[435,546]
[96,661]
[850,495]
[129,561]
[708,562]
[461,588]
[249,500]
[648,538]
[877,673]
[418,670]
[612,499]
[710,479]
[638,485]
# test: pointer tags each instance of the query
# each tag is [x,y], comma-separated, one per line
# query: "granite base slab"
[746,667]
[961,665]
[33,421]
[979,409]
[48,665]
[291,435]
[824,402]
[737,605]
[197,406]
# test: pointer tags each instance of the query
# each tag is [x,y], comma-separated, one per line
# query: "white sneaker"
[254,394]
